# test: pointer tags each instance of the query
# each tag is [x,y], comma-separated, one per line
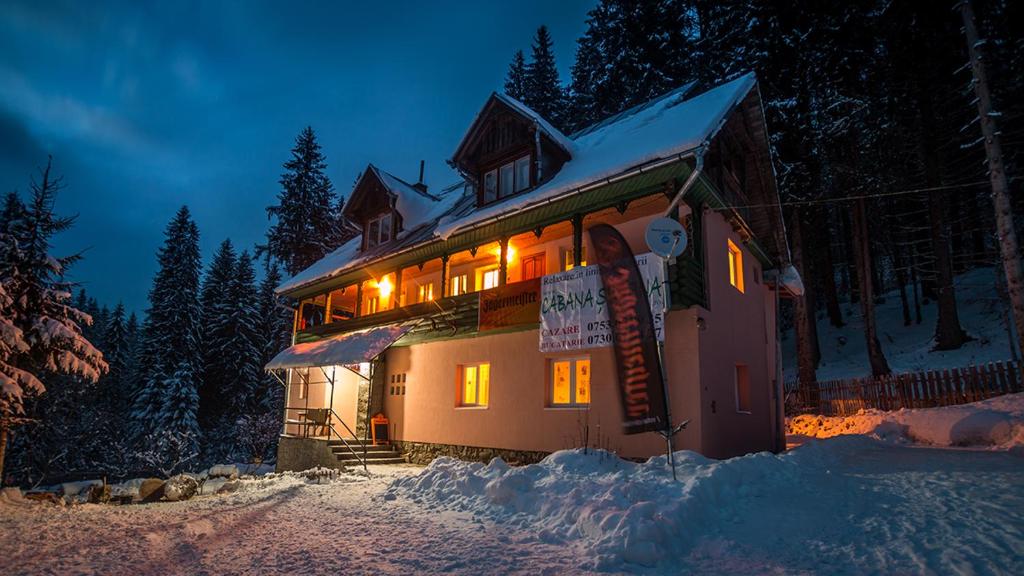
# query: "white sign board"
[573,311]
[666,237]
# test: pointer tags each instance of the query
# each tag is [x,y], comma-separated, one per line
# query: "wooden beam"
[577,240]
[503,261]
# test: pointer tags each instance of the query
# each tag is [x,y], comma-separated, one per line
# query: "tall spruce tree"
[41,330]
[543,90]
[275,328]
[165,409]
[218,326]
[307,221]
[515,80]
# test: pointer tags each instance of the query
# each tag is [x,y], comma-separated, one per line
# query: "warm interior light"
[384,286]
[510,253]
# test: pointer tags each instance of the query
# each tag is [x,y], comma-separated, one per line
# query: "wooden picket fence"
[916,390]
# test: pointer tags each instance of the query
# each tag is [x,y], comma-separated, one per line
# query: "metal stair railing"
[330,425]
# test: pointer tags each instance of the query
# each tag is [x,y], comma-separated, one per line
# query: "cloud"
[67,118]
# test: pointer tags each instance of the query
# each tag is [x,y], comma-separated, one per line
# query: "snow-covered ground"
[866,501]
[909,348]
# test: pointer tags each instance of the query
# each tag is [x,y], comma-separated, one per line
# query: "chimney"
[420,185]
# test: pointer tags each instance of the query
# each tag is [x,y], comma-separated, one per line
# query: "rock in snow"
[180,487]
[151,490]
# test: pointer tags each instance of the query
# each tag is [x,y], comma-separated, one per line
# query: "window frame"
[483,272]
[384,228]
[741,374]
[517,183]
[735,260]
[573,388]
[461,385]
[458,288]
[425,293]
[568,259]
[533,259]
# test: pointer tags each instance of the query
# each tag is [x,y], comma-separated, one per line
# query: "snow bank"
[996,423]
[620,512]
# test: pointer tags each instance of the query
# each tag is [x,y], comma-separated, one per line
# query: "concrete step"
[376,462]
[370,456]
[342,449]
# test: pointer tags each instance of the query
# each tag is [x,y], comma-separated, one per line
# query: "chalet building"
[465,320]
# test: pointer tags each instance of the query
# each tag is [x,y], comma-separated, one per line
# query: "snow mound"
[622,513]
[996,423]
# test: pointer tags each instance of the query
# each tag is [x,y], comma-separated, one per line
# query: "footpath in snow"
[871,502]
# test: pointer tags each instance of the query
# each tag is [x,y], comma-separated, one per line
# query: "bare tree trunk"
[3,449]
[948,333]
[916,287]
[901,282]
[828,270]
[862,256]
[806,335]
[1007,235]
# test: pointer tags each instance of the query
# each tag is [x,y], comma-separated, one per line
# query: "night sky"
[146,108]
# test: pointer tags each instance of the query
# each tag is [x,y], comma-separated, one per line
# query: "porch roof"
[342,350]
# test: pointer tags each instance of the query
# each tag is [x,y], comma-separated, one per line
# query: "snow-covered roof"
[416,206]
[342,350]
[419,226]
[670,126]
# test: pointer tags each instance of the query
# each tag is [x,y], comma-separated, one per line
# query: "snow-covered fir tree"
[307,220]
[165,408]
[515,80]
[275,328]
[40,329]
[218,325]
[543,90]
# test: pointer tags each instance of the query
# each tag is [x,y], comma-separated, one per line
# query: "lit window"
[568,260]
[491,186]
[522,173]
[742,388]
[532,266]
[426,292]
[489,279]
[371,305]
[460,284]
[735,266]
[474,384]
[570,382]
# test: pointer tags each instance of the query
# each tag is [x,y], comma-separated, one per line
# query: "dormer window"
[507,179]
[378,230]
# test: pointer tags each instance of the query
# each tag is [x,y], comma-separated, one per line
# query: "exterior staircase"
[381,454]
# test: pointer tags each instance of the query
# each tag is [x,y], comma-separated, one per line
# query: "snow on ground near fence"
[996,423]
[845,505]
[909,348]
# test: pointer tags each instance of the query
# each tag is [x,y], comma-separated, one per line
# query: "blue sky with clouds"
[146,107]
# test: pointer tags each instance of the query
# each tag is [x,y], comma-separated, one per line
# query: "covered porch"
[329,387]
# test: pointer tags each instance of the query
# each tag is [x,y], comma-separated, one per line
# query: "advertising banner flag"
[634,339]
[573,314]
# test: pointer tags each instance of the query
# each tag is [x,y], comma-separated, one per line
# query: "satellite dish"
[666,237]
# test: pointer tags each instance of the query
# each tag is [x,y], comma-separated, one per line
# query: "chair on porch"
[317,419]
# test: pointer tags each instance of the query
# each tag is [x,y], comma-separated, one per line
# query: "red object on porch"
[379,429]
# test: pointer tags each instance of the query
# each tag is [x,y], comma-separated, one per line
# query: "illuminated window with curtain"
[459,284]
[568,261]
[735,265]
[426,292]
[486,278]
[474,384]
[532,266]
[570,382]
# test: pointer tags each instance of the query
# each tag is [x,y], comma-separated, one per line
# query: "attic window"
[507,179]
[378,230]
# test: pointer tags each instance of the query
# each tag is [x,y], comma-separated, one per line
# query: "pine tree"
[40,331]
[543,91]
[308,223]
[275,328]
[515,81]
[218,326]
[165,408]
